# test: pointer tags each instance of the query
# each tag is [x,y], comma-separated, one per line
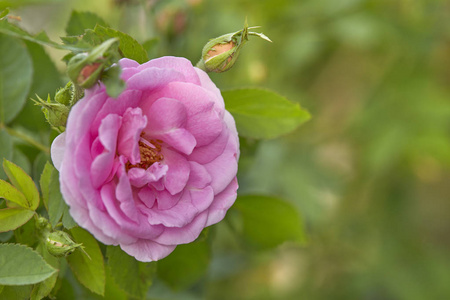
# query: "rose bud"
[85,69]
[220,54]
[64,95]
[55,113]
[59,244]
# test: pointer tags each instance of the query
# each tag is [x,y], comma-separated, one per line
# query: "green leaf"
[112,290]
[186,265]
[23,182]
[6,149]
[20,265]
[263,114]
[51,194]
[150,45]
[133,276]
[16,72]
[268,221]
[79,21]
[56,204]
[44,288]
[10,193]
[128,46]
[16,292]
[67,220]
[11,218]
[44,182]
[89,271]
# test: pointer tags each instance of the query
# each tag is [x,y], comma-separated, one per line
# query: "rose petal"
[222,202]
[183,235]
[167,119]
[133,123]
[177,216]
[198,177]
[146,250]
[147,197]
[207,84]
[103,164]
[178,173]
[127,99]
[166,200]
[140,177]
[178,64]
[224,168]
[128,63]
[57,150]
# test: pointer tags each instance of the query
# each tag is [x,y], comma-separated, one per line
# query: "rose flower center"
[150,152]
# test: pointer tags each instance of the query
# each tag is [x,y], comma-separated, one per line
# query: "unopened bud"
[85,69]
[64,95]
[55,113]
[59,244]
[220,54]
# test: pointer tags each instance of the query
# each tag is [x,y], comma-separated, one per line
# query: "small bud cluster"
[85,69]
[57,111]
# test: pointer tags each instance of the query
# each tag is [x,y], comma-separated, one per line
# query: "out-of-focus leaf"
[6,149]
[113,83]
[263,114]
[26,234]
[80,21]
[46,80]
[185,265]
[16,72]
[4,13]
[20,265]
[150,45]
[90,271]
[41,38]
[23,182]
[18,3]
[6,236]
[66,290]
[11,218]
[269,222]
[21,160]
[130,275]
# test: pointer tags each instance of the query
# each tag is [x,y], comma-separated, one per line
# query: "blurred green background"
[369,173]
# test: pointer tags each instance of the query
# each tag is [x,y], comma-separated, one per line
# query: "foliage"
[43,252]
[369,172]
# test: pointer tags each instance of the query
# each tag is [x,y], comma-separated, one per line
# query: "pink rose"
[151,169]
